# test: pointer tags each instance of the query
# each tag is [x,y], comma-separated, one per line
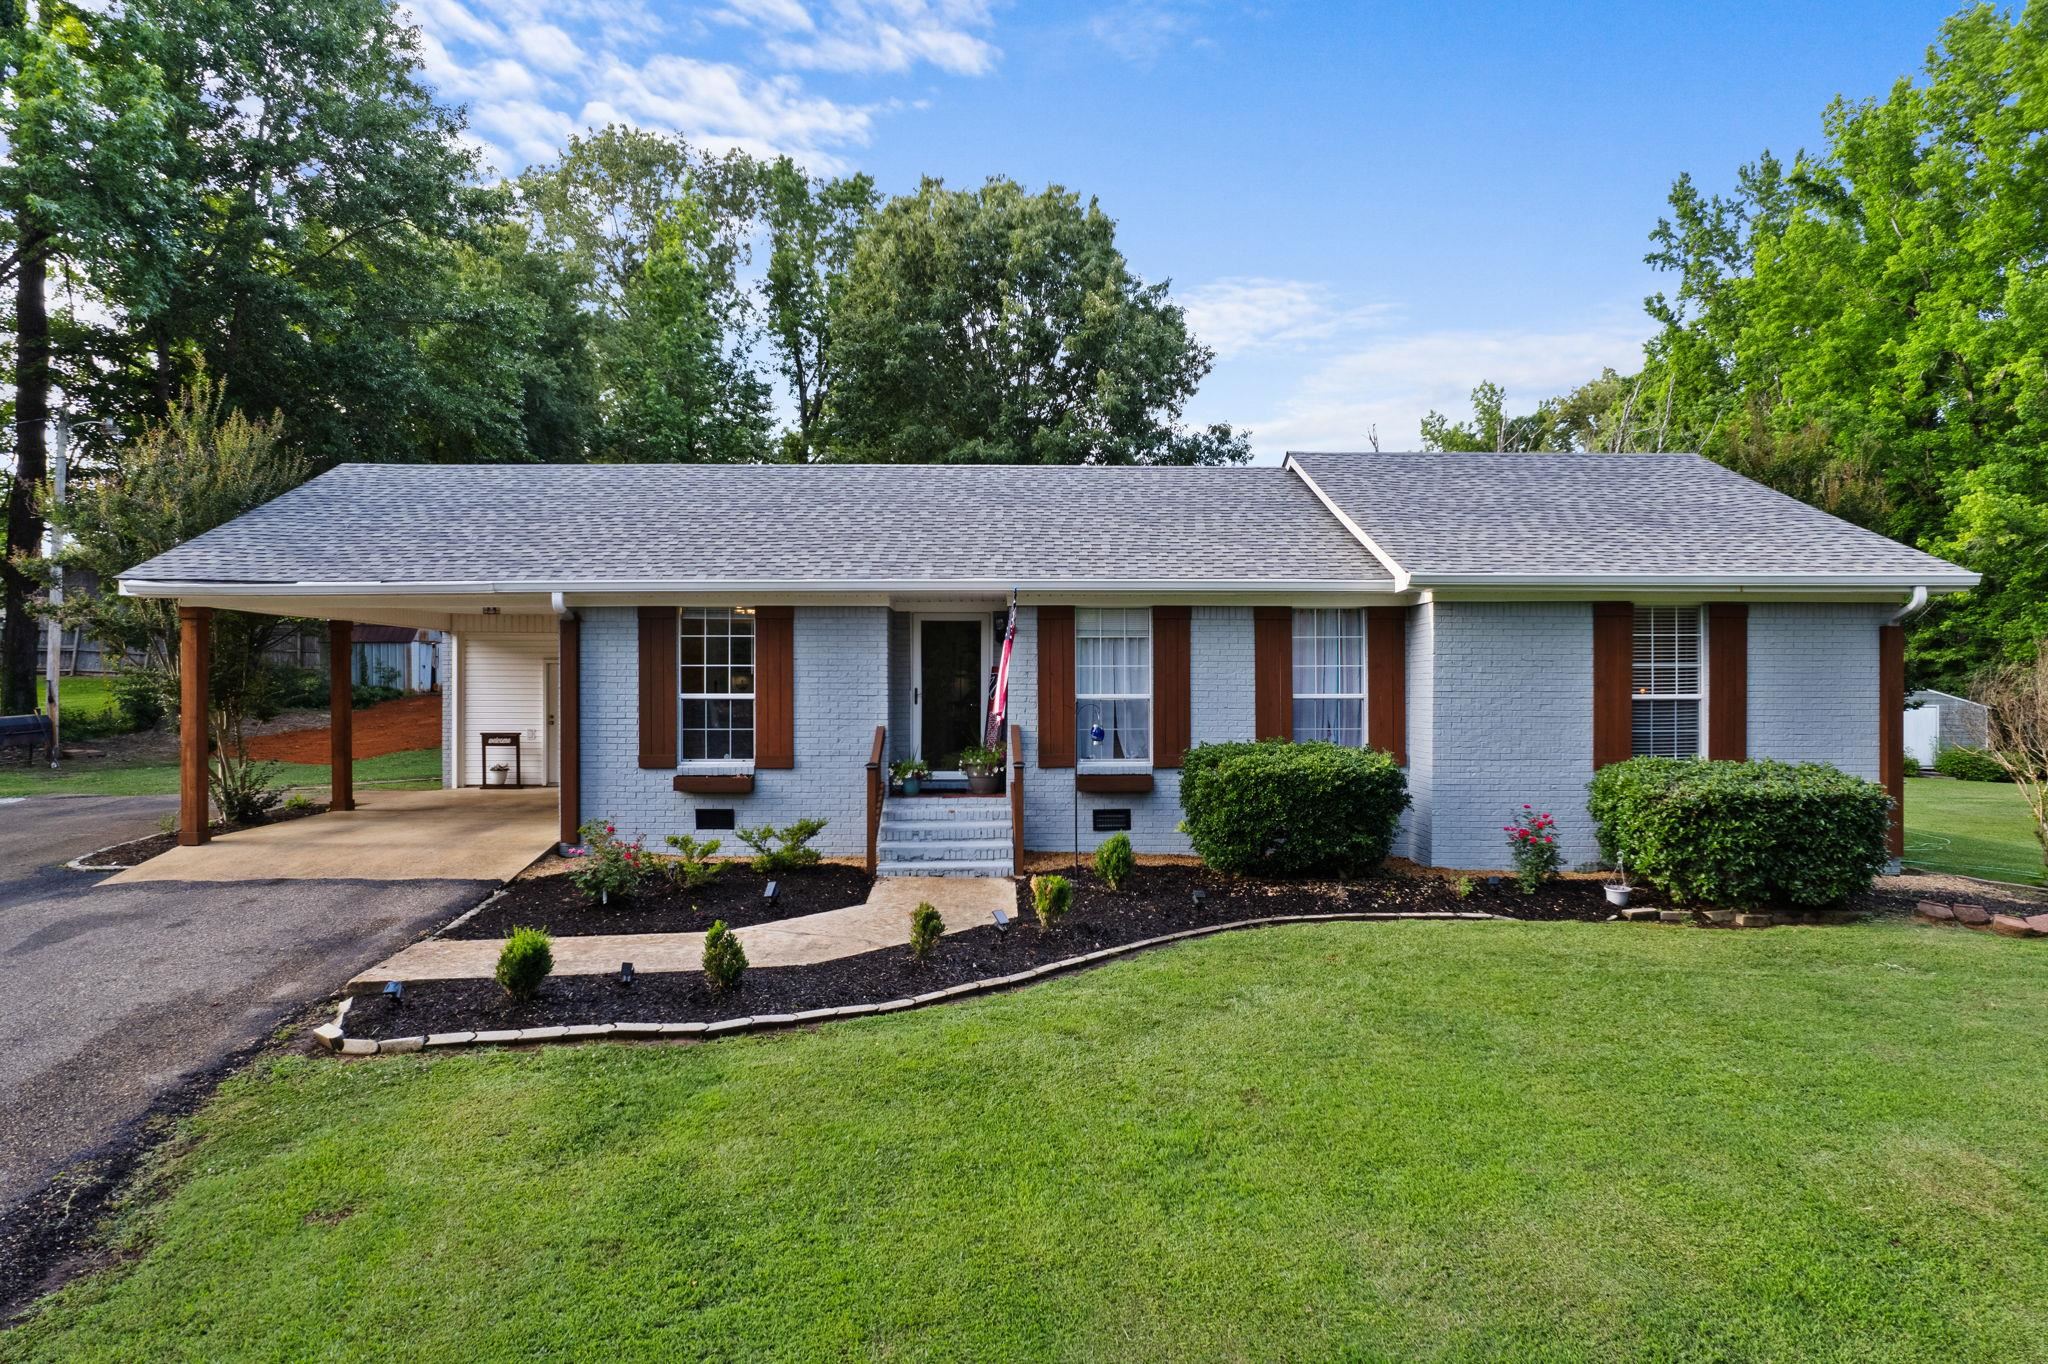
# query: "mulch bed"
[1155,901]
[547,900]
[137,850]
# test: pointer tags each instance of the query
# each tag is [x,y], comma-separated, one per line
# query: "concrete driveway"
[109,994]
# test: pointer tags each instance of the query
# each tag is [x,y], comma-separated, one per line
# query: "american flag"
[999,685]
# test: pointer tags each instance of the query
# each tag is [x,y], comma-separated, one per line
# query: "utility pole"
[54,628]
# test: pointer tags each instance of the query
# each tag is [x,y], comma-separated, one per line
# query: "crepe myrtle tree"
[2017,694]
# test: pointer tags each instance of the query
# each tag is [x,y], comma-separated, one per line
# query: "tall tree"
[83,120]
[996,325]
[812,225]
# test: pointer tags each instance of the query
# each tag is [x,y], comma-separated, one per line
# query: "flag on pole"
[999,686]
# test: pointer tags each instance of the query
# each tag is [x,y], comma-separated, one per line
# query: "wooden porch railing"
[1016,800]
[878,790]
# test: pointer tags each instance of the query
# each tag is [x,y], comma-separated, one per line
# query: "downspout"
[1912,608]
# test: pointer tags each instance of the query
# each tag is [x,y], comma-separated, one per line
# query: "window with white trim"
[1113,684]
[1665,685]
[718,684]
[1329,676]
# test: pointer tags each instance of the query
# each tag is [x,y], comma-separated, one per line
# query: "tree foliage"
[1000,326]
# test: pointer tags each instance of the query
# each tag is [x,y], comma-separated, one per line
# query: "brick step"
[1001,868]
[945,831]
[921,810]
[932,850]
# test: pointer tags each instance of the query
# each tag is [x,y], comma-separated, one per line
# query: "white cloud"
[787,15]
[529,130]
[1245,313]
[1396,379]
[1140,31]
[869,36]
[548,47]
[718,104]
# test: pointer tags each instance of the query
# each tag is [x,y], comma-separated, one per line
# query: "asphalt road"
[110,995]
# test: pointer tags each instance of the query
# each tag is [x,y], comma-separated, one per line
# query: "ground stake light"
[1201,898]
[1002,920]
[625,973]
[769,893]
[394,991]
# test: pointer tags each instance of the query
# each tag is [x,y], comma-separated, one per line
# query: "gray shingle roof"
[560,525]
[1444,517]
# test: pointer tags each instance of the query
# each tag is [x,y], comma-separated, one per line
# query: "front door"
[949,688]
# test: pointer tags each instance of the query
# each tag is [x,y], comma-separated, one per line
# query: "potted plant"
[908,773]
[984,769]
[1618,890]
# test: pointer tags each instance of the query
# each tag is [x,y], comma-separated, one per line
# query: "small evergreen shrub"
[1910,765]
[692,868]
[1742,835]
[1464,885]
[1532,842]
[925,928]
[1113,860]
[298,803]
[525,961]
[607,865]
[1051,897]
[1286,809]
[777,851]
[1969,764]
[724,959]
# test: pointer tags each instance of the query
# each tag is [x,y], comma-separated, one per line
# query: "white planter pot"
[1618,895]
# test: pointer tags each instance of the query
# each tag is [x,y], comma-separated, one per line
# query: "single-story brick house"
[683,647]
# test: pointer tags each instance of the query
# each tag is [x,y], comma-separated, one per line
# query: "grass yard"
[420,768]
[1415,1141]
[1977,828]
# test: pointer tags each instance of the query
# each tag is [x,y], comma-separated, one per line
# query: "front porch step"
[945,830]
[1001,868]
[933,850]
[926,809]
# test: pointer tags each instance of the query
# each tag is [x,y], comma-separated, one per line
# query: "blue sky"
[1365,208]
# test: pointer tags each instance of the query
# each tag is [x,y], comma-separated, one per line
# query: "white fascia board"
[1402,579]
[1954,581]
[585,592]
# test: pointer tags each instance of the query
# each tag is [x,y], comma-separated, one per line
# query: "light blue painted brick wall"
[1813,683]
[842,669]
[1511,720]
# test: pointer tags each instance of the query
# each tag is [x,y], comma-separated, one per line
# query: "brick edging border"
[330,1035]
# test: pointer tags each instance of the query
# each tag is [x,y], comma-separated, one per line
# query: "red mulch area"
[400,726]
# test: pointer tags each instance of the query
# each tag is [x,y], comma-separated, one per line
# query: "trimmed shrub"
[1969,764]
[1910,765]
[1051,897]
[692,868]
[1286,809]
[724,959]
[525,961]
[777,851]
[925,928]
[1113,860]
[607,865]
[1742,835]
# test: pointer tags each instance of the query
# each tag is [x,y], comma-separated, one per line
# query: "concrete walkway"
[462,835]
[882,921]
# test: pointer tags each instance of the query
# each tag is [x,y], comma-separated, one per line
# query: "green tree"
[812,225]
[201,466]
[83,119]
[995,325]
[1492,430]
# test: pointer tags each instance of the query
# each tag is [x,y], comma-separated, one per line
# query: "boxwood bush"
[1286,809]
[1742,835]
[1969,764]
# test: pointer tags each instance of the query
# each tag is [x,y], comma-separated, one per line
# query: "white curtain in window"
[1113,684]
[1329,676]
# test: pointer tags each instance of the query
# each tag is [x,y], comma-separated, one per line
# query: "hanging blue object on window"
[1095,733]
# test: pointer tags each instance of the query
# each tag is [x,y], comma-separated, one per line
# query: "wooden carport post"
[341,714]
[195,666]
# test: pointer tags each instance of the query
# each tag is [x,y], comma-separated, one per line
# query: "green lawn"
[1415,1141]
[94,777]
[1978,828]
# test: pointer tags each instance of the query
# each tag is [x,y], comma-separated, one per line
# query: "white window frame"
[1697,696]
[1316,616]
[1082,616]
[716,766]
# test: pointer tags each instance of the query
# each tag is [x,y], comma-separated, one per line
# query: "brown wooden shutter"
[774,687]
[1386,680]
[1055,686]
[1728,680]
[1272,672]
[1614,656]
[660,686]
[1891,727]
[1172,659]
